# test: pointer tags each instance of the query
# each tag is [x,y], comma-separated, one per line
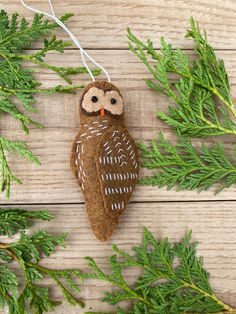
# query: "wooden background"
[101,28]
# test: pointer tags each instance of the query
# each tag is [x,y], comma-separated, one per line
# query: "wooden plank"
[53,181]
[212,223]
[103,23]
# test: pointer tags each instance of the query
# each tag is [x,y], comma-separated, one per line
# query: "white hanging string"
[73,38]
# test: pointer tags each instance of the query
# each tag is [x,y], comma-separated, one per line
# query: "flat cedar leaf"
[187,167]
[13,220]
[18,86]
[172,280]
[20,148]
[197,115]
[203,107]
[25,294]
[8,286]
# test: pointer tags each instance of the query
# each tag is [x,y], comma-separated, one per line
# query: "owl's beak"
[102,112]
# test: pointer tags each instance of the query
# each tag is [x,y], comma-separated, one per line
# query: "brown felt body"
[104,159]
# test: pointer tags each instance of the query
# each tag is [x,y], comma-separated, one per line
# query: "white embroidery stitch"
[132,156]
[117,144]
[115,133]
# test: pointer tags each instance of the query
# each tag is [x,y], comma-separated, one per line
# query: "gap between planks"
[132,202]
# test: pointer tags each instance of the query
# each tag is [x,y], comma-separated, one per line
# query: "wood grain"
[54,181]
[213,225]
[101,27]
[102,24]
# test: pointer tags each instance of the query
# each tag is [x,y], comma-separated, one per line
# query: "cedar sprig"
[200,88]
[18,86]
[204,107]
[187,167]
[13,220]
[27,252]
[20,148]
[173,279]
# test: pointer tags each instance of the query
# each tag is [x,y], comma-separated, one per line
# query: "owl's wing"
[75,161]
[117,168]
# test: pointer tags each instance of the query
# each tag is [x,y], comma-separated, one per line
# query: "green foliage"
[17,83]
[204,107]
[187,167]
[173,279]
[27,252]
[23,151]
[196,88]
[13,220]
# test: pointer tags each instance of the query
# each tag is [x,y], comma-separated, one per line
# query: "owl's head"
[102,98]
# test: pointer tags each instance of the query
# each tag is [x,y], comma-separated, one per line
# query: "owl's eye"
[94,98]
[113,101]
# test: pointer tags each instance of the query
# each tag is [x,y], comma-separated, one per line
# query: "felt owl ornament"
[104,157]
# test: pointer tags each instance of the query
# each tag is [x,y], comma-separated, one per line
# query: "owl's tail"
[102,224]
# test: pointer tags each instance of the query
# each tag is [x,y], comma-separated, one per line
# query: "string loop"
[73,38]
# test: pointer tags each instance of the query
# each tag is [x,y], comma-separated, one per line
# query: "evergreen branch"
[204,107]
[186,167]
[63,72]
[6,175]
[17,81]
[27,253]
[198,113]
[13,220]
[164,286]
